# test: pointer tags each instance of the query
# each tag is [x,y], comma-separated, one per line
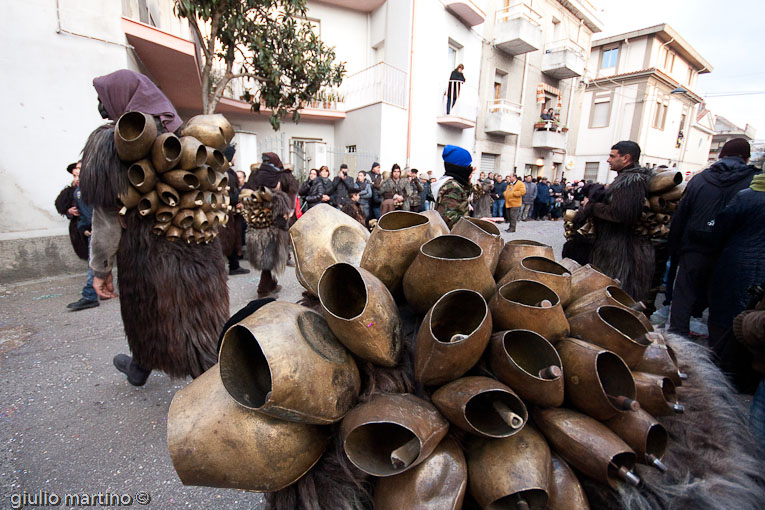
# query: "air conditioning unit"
[316,154]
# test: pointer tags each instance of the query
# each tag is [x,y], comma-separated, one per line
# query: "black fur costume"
[619,250]
[173,295]
[268,248]
[64,201]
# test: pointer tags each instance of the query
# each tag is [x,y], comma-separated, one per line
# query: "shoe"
[275,290]
[508,230]
[136,375]
[238,270]
[82,304]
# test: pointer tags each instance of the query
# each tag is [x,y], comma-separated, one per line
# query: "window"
[454,54]
[532,170]
[591,171]
[669,61]
[660,117]
[349,149]
[601,109]
[610,58]
[500,78]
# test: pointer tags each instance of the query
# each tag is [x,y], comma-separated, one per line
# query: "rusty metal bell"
[659,359]
[438,483]
[215,159]
[129,199]
[436,224]
[212,220]
[181,180]
[587,445]
[165,152]
[615,329]
[193,153]
[142,176]
[134,134]
[167,194]
[566,493]
[215,442]
[393,245]
[482,406]
[173,233]
[191,199]
[656,394]
[446,263]
[674,194]
[221,181]
[483,233]
[570,264]
[506,473]
[209,201]
[598,383]
[215,120]
[149,203]
[184,218]
[643,434]
[200,220]
[529,364]
[391,433]
[283,360]
[526,304]
[361,312]
[664,181]
[160,228]
[324,236]
[542,270]
[206,177]
[516,250]
[587,279]
[452,337]
[613,296]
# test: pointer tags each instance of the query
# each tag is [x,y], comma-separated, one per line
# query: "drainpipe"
[523,105]
[411,84]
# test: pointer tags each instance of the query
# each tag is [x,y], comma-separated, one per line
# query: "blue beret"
[456,156]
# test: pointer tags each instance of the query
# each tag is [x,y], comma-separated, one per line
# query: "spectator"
[527,207]
[456,79]
[705,196]
[376,179]
[66,207]
[482,197]
[425,196]
[321,189]
[392,190]
[498,194]
[241,178]
[231,233]
[353,208]
[549,114]
[365,192]
[513,201]
[412,190]
[305,187]
[342,186]
[542,200]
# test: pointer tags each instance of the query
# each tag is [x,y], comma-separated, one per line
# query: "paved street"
[70,423]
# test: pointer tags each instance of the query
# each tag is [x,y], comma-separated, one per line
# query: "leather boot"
[136,375]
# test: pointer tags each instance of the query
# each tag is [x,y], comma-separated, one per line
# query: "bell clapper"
[624,403]
[521,504]
[678,408]
[123,211]
[507,415]
[625,474]
[682,375]
[551,372]
[545,303]
[457,337]
[403,456]
[654,461]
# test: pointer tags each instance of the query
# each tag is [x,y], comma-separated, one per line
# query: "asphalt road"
[71,424]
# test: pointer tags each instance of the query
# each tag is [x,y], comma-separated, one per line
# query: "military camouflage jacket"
[453,201]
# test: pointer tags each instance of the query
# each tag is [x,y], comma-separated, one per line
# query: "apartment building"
[726,130]
[640,86]
[535,53]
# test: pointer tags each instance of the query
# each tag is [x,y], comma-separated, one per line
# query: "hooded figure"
[452,191]
[173,295]
[232,233]
[267,212]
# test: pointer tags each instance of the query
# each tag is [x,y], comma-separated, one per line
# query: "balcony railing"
[459,105]
[518,29]
[518,10]
[503,117]
[563,59]
[379,83]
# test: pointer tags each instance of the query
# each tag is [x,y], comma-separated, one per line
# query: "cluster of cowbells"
[256,207]
[182,181]
[665,189]
[542,365]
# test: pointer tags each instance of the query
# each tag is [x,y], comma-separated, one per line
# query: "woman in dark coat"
[173,295]
[65,207]
[320,189]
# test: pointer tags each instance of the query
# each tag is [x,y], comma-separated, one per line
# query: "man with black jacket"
[375,176]
[343,186]
[705,196]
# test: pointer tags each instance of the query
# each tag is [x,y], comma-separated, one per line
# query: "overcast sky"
[728,34]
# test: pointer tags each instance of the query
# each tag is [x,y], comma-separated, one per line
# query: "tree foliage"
[269,42]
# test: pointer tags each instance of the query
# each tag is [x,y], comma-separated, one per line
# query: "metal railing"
[379,83]
[565,44]
[460,100]
[518,10]
[503,106]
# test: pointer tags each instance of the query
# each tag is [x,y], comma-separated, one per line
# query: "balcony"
[463,111]
[467,11]
[518,29]
[563,59]
[356,5]
[548,136]
[380,83]
[503,118]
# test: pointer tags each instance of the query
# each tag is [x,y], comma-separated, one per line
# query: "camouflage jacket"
[453,201]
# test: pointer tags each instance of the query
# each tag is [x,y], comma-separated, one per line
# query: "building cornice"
[643,75]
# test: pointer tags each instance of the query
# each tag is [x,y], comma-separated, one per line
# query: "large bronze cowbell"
[165,152]
[656,394]
[615,329]
[566,493]
[485,234]
[529,364]
[324,236]
[452,337]
[283,360]
[659,359]
[526,304]
[516,250]
[215,442]
[361,311]
[612,296]
[587,279]
[393,245]
[643,434]
[598,382]
[438,483]
[542,270]
[391,433]
[505,472]
[134,134]
[436,224]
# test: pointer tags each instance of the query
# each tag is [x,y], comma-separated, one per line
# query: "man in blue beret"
[452,191]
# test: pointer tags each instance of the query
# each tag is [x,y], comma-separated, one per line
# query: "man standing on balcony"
[453,90]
